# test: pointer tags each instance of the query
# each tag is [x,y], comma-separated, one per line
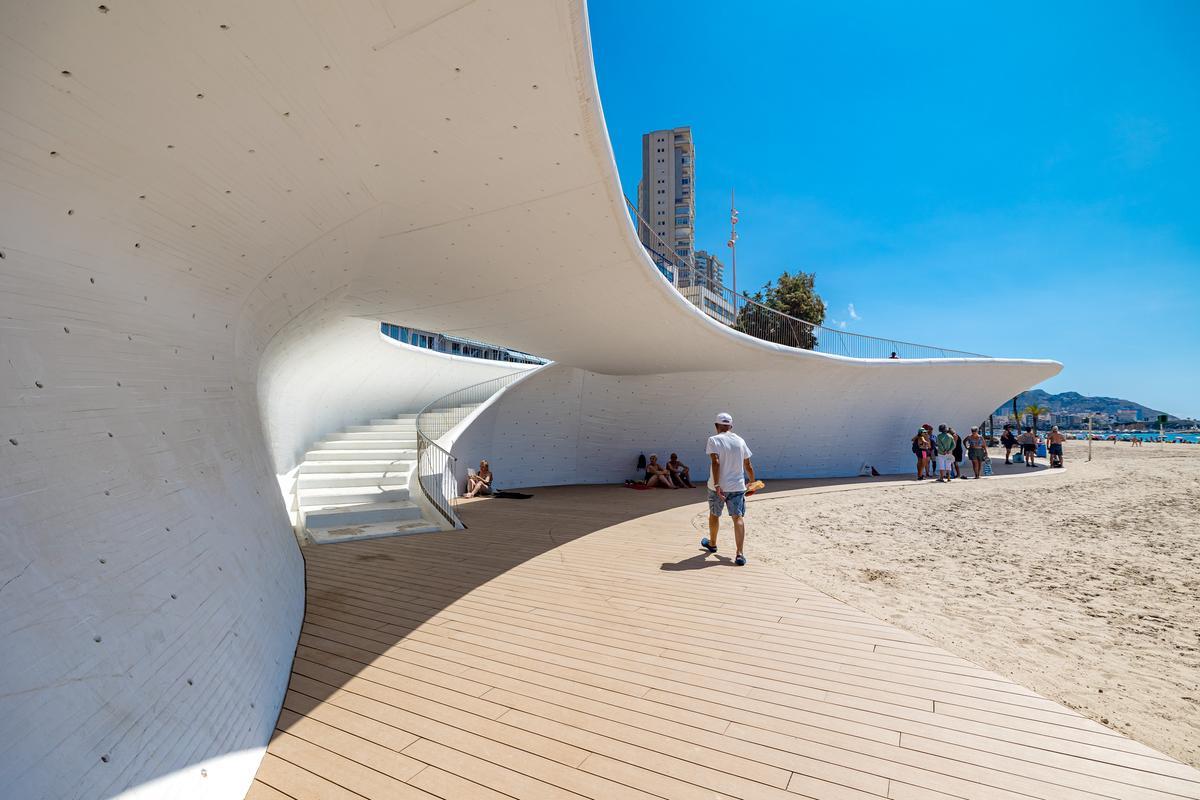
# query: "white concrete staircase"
[355,484]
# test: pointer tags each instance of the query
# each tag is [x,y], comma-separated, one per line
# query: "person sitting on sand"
[976,450]
[1028,442]
[920,448]
[679,472]
[480,482]
[1055,440]
[945,452]
[658,475]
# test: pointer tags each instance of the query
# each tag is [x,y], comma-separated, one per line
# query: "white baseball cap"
[723,419]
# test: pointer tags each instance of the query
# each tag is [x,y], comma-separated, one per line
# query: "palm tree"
[1036,411]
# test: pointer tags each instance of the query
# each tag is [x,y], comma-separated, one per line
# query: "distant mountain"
[1075,403]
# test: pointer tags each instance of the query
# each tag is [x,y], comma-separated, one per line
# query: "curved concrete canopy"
[195,197]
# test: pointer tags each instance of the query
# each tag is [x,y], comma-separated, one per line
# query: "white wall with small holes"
[194,199]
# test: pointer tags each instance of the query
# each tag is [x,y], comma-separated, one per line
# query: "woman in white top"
[480,482]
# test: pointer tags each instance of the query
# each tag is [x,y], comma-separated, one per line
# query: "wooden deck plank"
[677,638]
[347,771]
[507,661]
[336,740]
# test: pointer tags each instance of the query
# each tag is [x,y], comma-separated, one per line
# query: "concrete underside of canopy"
[195,199]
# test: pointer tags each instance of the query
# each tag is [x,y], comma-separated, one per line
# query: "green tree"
[793,295]
[1036,411]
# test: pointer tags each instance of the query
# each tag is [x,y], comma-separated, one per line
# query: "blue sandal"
[740,560]
[710,548]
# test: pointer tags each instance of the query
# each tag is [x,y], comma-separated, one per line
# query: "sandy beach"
[1080,583]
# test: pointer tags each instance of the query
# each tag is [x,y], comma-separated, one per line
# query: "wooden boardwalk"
[579,645]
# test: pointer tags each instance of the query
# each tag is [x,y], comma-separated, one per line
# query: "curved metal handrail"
[743,313]
[436,472]
[435,466]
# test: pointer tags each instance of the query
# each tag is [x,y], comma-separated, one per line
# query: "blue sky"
[1017,179]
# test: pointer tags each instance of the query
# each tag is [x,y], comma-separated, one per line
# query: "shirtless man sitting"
[679,472]
[658,475]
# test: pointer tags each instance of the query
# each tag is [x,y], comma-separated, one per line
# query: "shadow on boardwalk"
[576,645]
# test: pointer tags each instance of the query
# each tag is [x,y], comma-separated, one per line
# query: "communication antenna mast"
[732,243]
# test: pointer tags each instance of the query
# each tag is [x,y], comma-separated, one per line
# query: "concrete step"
[331,480]
[390,443]
[329,496]
[335,516]
[351,533]
[316,465]
[410,428]
[400,418]
[399,454]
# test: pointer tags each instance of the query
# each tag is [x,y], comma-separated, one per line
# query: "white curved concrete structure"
[346,371]
[195,198]
[567,425]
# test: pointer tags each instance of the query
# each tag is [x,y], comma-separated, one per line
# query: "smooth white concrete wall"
[316,378]
[563,425]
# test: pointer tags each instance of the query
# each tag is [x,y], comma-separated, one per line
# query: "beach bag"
[1018,458]
[987,467]
[1041,450]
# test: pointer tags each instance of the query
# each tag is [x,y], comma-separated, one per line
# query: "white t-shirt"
[731,450]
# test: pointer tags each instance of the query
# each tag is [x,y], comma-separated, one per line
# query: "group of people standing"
[942,452]
[1027,441]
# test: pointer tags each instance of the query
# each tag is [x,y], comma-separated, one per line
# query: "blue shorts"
[734,501]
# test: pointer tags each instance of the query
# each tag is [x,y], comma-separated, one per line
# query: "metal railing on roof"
[751,317]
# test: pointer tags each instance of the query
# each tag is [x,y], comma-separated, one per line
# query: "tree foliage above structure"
[792,294]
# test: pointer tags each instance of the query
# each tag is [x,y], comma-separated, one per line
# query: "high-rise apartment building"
[666,201]
[667,207]
[710,272]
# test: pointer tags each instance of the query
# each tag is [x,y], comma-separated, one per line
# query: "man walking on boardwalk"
[730,463]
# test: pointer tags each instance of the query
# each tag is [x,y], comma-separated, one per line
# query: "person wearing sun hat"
[921,444]
[976,450]
[730,463]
